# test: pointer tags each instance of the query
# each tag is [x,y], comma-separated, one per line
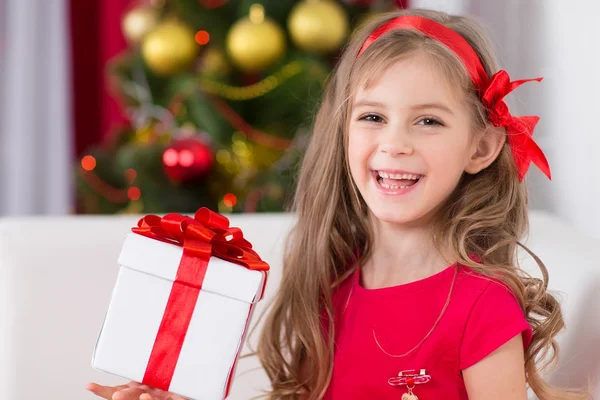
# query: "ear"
[485,148]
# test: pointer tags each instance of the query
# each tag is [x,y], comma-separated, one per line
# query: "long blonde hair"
[486,215]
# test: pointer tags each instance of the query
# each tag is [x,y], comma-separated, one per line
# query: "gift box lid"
[162,259]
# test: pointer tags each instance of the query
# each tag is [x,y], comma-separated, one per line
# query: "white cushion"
[57,274]
[573,263]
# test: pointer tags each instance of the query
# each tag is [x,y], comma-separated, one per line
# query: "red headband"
[492,91]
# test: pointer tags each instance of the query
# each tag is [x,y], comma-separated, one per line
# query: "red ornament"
[187,159]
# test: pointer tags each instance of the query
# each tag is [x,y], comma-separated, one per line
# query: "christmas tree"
[220,96]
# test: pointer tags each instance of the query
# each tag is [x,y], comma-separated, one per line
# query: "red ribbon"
[519,129]
[492,91]
[207,234]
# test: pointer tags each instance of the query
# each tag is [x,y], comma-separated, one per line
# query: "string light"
[230,200]
[170,157]
[88,163]
[202,37]
[186,158]
[134,193]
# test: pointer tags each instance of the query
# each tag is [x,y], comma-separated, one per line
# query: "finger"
[95,386]
[157,394]
[146,396]
[103,391]
[171,396]
[128,394]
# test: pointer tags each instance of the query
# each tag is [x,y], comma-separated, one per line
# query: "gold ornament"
[137,22]
[256,42]
[170,48]
[215,63]
[318,26]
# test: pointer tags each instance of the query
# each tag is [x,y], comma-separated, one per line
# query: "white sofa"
[57,273]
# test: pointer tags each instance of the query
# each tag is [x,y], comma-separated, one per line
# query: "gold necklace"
[432,328]
[430,331]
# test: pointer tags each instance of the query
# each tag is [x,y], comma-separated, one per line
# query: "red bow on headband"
[519,129]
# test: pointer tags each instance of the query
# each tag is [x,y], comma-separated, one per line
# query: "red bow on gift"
[518,129]
[207,234]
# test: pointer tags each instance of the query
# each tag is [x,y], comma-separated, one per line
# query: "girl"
[401,277]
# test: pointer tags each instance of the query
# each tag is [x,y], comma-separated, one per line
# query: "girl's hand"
[130,391]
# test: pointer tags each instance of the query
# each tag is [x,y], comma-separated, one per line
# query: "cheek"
[448,155]
[358,152]
[446,161]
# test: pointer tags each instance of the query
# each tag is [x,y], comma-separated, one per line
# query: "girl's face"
[409,141]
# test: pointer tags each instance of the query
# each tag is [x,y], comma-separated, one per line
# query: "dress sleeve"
[495,319]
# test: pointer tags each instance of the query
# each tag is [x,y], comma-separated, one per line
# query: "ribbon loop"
[211,219]
[500,85]
[194,229]
[206,227]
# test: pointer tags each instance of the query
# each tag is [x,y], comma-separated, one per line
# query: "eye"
[430,121]
[371,118]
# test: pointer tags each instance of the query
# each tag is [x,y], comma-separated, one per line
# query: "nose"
[396,142]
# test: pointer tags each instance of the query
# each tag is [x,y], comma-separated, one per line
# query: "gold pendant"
[409,396]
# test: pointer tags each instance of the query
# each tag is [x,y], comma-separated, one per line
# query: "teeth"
[392,186]
[398,176]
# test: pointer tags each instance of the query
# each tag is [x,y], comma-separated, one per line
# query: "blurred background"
[154,106]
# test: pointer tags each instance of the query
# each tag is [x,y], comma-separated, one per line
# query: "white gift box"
[217,328]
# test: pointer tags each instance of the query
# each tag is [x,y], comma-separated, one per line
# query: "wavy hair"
[486,215]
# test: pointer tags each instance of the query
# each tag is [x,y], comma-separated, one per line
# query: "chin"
[398,217]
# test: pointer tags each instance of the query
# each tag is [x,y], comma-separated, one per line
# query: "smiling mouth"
[396,181]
